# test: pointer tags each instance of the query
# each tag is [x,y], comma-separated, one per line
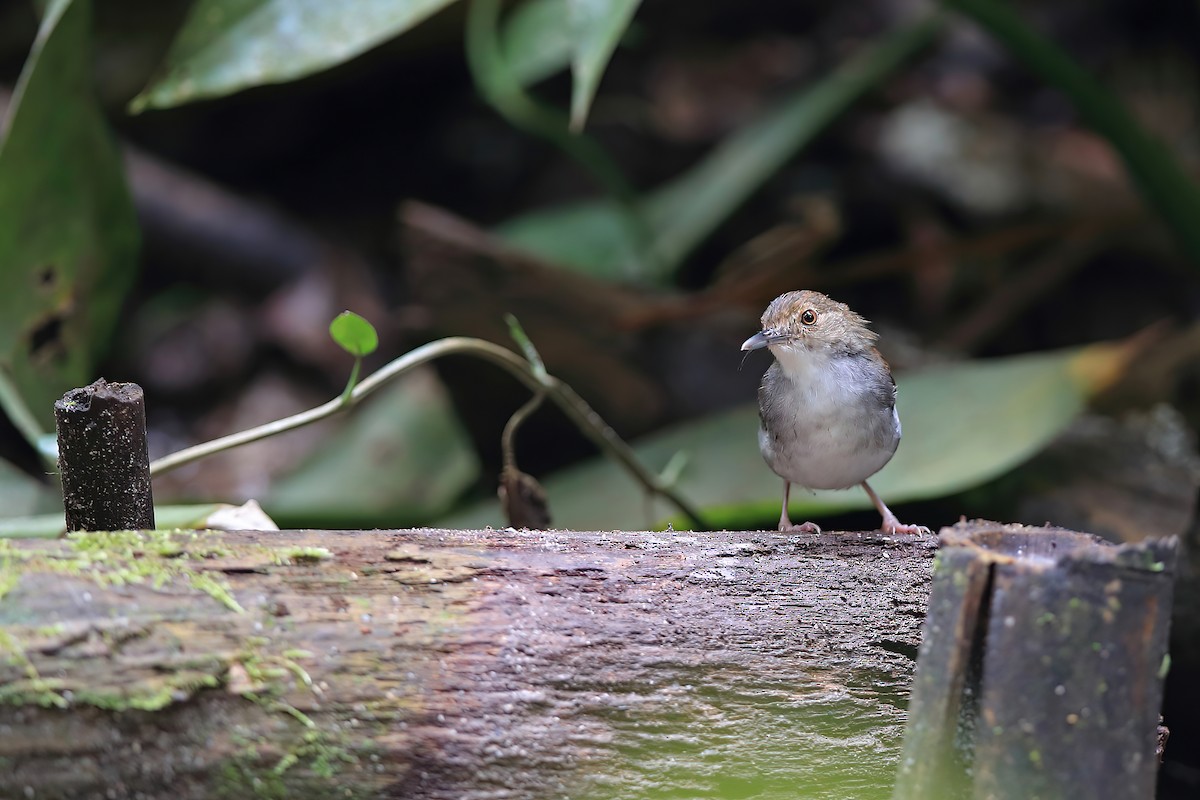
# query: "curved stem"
[352,381]
[575,407]
[508,448]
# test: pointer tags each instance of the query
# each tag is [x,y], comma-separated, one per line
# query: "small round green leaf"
[354,334]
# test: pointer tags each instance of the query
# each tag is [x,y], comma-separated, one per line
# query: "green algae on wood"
[115,558]
[435,663]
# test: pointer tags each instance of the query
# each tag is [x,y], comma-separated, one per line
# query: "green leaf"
[963,424]
[596,28]
[402,459]
[226,46]
[536,41]
[1163,180]
[354,334]
[527,348]
[686,210]
[500,87]
[68,232]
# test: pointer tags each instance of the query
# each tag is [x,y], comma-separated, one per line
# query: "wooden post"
[103,459]
[1041,668]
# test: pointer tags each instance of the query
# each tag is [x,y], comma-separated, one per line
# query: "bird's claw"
[804,527]
[895,526]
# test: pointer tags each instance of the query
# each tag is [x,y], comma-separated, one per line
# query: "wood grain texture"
[458,664]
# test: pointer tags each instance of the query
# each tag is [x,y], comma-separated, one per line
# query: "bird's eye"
[808,317]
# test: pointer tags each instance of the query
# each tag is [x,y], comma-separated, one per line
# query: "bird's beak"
[756,342]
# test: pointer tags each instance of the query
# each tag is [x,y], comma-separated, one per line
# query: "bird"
[827,405]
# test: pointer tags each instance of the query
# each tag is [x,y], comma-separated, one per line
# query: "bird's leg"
[890,524]
[785,524]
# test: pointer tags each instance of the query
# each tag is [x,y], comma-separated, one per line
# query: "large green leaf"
[226,46]
[401,459]
[68,233]
[963,424]
[596,27]
[536,41]
[681,214]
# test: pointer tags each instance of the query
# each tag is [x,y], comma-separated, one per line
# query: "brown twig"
[575,407]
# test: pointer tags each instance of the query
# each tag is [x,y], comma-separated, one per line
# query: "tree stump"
[103,457]
[1042,667]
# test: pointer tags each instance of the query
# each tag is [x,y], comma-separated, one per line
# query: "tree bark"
[457,664]
[1041,670]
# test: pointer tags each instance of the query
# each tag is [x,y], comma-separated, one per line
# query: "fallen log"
[457,664]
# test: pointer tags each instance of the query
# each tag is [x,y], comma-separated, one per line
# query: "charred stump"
[103,458]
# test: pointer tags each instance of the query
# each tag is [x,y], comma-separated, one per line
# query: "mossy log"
[457,664]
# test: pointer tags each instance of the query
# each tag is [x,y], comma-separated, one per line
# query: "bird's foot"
[893,525]
[804,527]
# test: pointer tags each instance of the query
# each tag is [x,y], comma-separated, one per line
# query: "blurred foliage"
[595,29]
[52,526]
[1002,412]
[20,495]
[68,241]
[68,235]
[536,40]
[499,84]
[1164,181]
[682,213]
[227,46]
[403,459]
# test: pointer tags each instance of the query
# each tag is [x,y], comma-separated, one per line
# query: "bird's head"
[808,321]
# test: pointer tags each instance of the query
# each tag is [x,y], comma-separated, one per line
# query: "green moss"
[34,689]
[327,755]
[145,696]
[316,755]
[37,692]
[120,558]
[300,555]
[319,752]
[9,578]
[174,688]
[216,589]
[158,558]
[266,672]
